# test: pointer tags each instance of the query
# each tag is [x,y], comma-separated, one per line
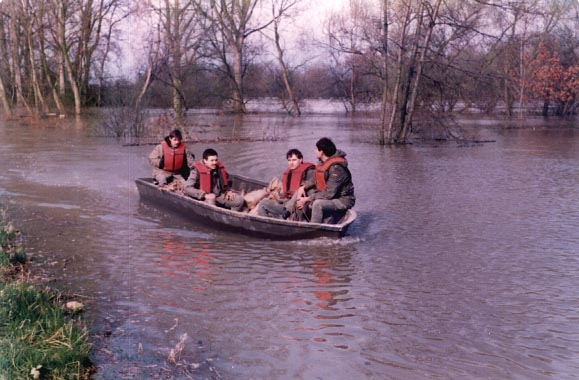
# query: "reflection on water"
[462,265]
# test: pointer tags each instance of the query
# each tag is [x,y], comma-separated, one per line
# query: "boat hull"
[254,225]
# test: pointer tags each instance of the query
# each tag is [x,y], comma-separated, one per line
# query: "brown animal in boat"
[272,191]
[175,186]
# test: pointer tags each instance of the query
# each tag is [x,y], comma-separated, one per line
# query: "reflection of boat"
[240,221]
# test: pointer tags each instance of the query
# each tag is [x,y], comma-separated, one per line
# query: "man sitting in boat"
[170,159]
[334,190]
[293,177]
[209,182]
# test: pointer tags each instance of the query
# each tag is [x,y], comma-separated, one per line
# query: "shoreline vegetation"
[41,336]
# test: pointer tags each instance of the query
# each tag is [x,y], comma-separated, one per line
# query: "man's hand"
[301,202]
[210,198]
[301,192]
[230,195]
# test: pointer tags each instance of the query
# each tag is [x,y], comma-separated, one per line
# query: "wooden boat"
[240,221]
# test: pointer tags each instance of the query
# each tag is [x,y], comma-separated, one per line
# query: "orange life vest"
[321,172]
[297,175]
[173,158]
[205,176]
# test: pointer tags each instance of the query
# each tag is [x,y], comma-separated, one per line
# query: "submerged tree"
[280,9]
[356,52]
[407,84]
[229,24]
[174,46]
[551,82]
[49,48]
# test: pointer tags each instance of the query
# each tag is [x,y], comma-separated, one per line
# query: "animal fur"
[175,186]
[272,191]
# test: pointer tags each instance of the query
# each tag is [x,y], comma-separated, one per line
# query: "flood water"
[463,263]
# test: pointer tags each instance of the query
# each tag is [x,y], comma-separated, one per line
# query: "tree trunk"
[400,97]
[102,64]
[15,54]
[93,24]
[406,129]
[237,66]
[545,108]
[522,74]
[60,57]
[45,68]
[68,65]
[295,109]
[352,89]
[38,96]
[4,99]
[73,85]
[384,107]
[145,87]
[508,97]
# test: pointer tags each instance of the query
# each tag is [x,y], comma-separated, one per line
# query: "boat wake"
[328,242]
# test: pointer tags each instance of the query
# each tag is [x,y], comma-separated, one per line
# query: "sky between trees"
[309,20]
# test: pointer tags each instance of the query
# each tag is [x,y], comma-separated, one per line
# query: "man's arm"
[189,158]
[156,156]
[336,178]
[309,179]
[192,186]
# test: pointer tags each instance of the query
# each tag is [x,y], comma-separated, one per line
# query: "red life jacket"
[205,176]
[173,158]
[321,172]
[297,175]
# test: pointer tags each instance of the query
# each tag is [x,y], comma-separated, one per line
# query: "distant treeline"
[414,57]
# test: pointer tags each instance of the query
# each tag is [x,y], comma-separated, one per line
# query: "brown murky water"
[464,263]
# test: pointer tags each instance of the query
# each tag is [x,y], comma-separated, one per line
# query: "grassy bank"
[39,339]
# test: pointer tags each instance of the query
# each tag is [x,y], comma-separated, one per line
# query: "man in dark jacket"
[334,190]
[209,182]
[170,159]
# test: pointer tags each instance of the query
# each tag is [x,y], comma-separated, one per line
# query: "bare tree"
[4,98]
[15,11]
[230,24]
[29,24]
[385,70]
[174,42]
[280,9]
[355,48]
[65,46]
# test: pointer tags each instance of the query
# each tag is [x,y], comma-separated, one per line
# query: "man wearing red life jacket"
[209,182]
[334,190]
[294,176]
[170,159]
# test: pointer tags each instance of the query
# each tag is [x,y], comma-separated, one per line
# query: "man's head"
[175,138]
[325,147]
[210,158]
[294,158]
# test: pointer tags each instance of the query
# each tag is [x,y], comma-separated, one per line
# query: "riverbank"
[40,336]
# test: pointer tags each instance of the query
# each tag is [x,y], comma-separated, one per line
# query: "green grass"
[38,339]
[11,252]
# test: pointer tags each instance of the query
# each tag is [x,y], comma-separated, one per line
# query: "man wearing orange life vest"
[334,190]
[170,159]
[293,177]
[208,182]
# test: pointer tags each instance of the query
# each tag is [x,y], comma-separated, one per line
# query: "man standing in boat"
[332,182]
[170,159]
[209,182]
[294,176]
